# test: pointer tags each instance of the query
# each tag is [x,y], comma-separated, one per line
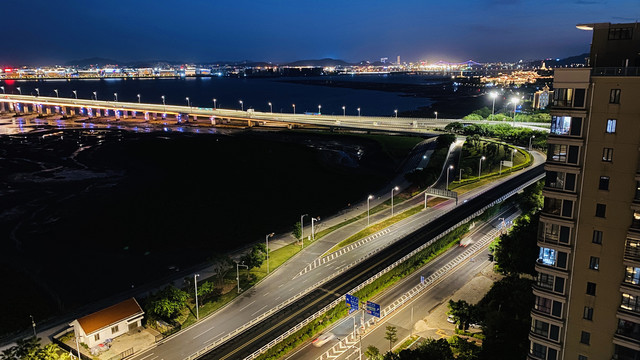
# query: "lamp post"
[435,112]
[37,91]
[396,113]
[241,105]
[188,101]
[195,282]
[214,103]
[392,190]
[302,228]
[358,112]
[493,95]
[513,152]
[531,138]
[294,108]
[447,185]
[319,109]
[344,111]
[164,105]
[2,87]
[138,98]
[368,214]
[75,93]
[33,324]
[115,95]
[515,105]
[95,94]
[313,229]
[270,108]
[480,166]
[238,274]
[267,241]
[19,90]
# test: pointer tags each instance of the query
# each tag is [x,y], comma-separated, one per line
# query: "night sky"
[45,31]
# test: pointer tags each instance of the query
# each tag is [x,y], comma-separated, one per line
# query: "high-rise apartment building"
[587,289]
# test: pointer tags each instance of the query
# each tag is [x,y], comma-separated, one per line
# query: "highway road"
[417,125]
[421,304]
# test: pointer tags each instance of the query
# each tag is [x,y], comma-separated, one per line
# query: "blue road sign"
[352,302]
[352,310]
[373,309]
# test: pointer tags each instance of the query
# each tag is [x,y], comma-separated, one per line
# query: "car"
[450,319]
[323,339]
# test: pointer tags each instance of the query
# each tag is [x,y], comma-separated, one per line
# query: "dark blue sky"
[46,31]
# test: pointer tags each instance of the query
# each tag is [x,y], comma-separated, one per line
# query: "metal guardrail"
[616,71]
[387,269]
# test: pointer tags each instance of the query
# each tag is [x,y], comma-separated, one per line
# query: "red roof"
[111,315]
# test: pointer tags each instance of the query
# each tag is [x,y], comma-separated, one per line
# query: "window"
[552,206]
[570,182]
[585,337]
[601,210]
[632,249]
[114,329]
[582,357]
[555,179]
[594,263]
[635,221]
[614,96]
[558,152]
[611,126]
[556,309]
[632,275]
[96,337]
[559,285]
[607,154]
[630,303]
[543,305]
[540,328]
[629,329]
[573,154]
[597,237]
[562,97]
[624,353]
[588,313]
[545,281]
[637,197]
[560,125]
[604,183]
[578,99]
[538,351]
[620,33]
[547,256]
[591,288]
[567,208]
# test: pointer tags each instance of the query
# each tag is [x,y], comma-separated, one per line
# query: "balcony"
[616,71]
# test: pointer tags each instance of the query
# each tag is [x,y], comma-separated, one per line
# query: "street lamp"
[37,91]
[238,273]
[435,112]
[2,87]
[164,105]
[531,138]
[358,112]
[20,91]
[188,102]
[267,241]
[368,198]
[214,103]
[95,94]
[515,104]
[513,152]
[392,190]
[75,93]
[33,323]
[270,107]
[138,98]
[313,230]
[480,166]
[319,108]
[447,185]
[241,105]
[344,109]
[302,228]
[115,95]
[396,112]
[493,95]
[195,282]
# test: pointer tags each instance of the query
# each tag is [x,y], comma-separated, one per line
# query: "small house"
[108,323]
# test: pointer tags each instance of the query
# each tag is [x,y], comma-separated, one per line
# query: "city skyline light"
[283,31]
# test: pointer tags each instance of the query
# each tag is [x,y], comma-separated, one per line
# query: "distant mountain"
[93,61]
[321,62]
[571,60]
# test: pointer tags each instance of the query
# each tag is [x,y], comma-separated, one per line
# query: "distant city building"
[398,61]
[587,288]
[108,323]
[384,60]
[541,97]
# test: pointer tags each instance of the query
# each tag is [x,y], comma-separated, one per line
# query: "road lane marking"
[259,310]
[202,333]
[147,356]
[214,338]
[265,294]
[246,306]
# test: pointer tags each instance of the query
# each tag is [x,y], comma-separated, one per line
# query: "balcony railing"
[616,71]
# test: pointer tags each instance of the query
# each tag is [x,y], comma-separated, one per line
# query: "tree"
[392,335]
[167,303]
[436,350]
[454,127]
[30,349]
[517,251]
[297,231]
[372,353]
[221,265]
[208,291]
[465,349]
[256,256]
[462,313]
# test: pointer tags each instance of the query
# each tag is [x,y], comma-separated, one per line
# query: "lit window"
[611,126]
[547,256]
[594,263]
[607,154]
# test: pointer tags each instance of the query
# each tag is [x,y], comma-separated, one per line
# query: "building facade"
[587,289]
[109,323]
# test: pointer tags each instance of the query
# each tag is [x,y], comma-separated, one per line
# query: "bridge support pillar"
[125,114]
[2,106]
[48,110]
[195,118]
[117,113]
[72,111]
[146,116]
[289,126]
[213,120]
[133,114]
[63,110]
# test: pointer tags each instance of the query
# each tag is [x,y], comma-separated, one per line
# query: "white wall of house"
[110,332]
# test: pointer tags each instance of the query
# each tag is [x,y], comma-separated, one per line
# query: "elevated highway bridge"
[186,114]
